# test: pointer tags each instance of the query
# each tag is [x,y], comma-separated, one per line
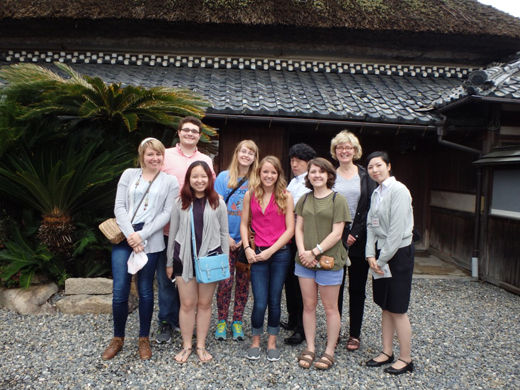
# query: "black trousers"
[293,295]
[357,280]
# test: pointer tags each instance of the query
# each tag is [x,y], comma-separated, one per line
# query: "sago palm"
[60,181]
[32,93]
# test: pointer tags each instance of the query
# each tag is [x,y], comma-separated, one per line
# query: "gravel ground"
[465,336]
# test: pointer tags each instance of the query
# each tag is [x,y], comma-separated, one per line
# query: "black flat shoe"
[295,339]
[374,363]
[399,371]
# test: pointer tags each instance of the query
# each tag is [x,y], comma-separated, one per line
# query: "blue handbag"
[208,269]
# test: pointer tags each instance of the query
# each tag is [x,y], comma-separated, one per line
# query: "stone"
[92,286]
[32,300]
[93,304]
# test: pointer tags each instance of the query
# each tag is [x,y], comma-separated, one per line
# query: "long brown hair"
[188,194]
[280,194]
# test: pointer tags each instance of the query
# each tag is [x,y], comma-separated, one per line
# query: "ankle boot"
[145,352]
[116,344]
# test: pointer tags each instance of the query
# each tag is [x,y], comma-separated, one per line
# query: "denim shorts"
[322,277]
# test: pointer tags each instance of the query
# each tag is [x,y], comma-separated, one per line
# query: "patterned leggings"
[241,291]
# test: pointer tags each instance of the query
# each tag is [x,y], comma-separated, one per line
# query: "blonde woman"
[353,182]
[272,218]
[143,205]
[232,185]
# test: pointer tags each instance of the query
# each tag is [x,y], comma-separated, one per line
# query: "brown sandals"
[324,362]
[306,358]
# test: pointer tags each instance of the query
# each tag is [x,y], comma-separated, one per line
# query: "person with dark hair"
[299,155]
[322,215]
[353,182]
[142,208]
[176,162]
[197,198]
[390,255]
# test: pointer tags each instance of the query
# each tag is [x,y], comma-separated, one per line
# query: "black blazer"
[358,228]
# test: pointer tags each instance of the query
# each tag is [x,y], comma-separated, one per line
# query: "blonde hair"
[343,137]
[233,166]
[146,143]
[280,193]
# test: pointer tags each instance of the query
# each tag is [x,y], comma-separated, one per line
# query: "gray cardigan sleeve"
[370,247]
[122,217]
[174,226]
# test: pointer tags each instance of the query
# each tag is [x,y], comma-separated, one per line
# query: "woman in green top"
[321,216]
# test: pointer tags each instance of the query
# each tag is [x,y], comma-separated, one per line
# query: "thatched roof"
[466,17]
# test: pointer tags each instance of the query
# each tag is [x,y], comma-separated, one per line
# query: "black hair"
[302,151]
[378,153]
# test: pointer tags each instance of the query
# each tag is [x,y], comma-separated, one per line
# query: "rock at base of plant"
[32,300]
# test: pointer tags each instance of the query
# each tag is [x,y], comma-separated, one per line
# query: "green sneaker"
[221,332]
[238,333]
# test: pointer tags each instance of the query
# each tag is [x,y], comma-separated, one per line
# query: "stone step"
[91,286]
[91,304]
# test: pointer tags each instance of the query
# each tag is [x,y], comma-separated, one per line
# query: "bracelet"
[247,247]
[318,246]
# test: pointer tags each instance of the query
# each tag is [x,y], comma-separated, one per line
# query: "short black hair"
[302,151]
[379,153]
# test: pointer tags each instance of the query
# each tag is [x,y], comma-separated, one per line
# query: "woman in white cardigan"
[142,208]
[390,255]
[211,236]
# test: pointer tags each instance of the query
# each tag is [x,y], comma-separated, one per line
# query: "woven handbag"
[110,228]
[111,231]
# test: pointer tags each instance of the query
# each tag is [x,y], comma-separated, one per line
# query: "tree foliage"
[64,140]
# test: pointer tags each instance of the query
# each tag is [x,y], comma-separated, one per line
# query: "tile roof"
[397,94]
[498,81]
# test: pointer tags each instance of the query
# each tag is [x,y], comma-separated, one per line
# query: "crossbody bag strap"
[242,181]
[193,244]
[148,189]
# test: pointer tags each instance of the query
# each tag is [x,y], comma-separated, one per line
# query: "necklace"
[145,202]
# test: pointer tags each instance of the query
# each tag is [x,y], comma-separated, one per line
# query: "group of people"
[307,235]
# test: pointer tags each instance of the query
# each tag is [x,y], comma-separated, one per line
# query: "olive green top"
[318,217]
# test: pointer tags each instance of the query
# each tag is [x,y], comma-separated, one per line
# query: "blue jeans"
[121,289]
[267,279]
[169,302]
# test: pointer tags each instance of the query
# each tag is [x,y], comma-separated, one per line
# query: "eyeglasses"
[346,148]
[192,131]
